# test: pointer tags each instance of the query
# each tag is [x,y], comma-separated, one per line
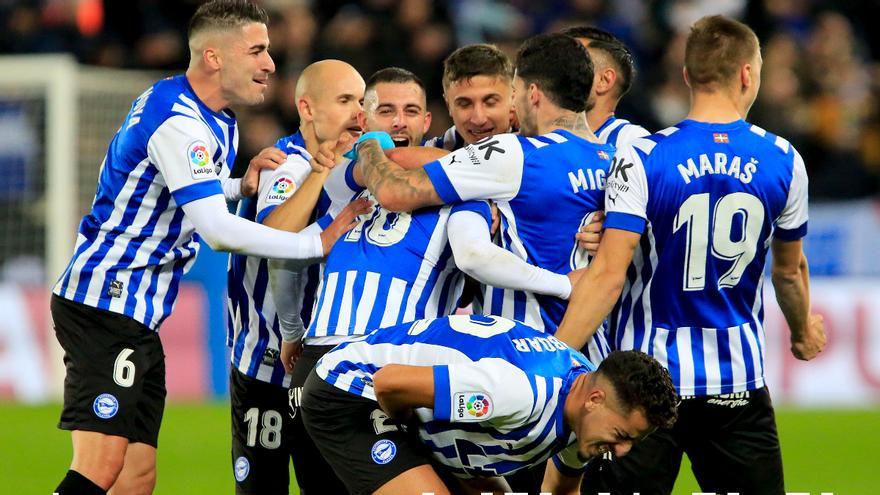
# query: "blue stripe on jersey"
[442,401]
[261,216]
[625,221]
[193,192]
[441,183]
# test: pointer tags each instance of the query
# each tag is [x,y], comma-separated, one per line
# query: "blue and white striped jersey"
[708,199]
[499,389]
[253,327]
[390,269]
[618,132]
[135,243]
[546,187]
[450,140]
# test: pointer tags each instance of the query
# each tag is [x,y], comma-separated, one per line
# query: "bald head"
[328,97]
[319,76]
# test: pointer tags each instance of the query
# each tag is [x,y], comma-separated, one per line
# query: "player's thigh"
[261,436]
[735,445]
[365,449]
[416,481]
[314,475]
[109,359]
[650,468]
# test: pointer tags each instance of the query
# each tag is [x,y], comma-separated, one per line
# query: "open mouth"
[400,141]
[354,130]
[261,82]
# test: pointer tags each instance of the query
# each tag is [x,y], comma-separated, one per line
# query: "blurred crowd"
[821,77]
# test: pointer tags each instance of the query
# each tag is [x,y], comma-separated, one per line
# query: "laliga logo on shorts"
[242,468]
[478,406]
[383,451]
[105,406]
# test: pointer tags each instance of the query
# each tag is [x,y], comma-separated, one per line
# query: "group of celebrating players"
[615,276]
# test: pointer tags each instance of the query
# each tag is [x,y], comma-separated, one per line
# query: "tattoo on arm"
[382,176]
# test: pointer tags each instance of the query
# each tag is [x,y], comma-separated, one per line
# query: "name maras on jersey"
[721,165]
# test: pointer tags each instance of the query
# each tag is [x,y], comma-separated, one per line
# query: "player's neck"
[206,89]
[599,114]
[714,107]
[576,123]
[310,137]
[571,410]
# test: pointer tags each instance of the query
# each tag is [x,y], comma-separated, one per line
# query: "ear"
[211,58]
[605,81]
[304,108]
[427,122]
[362,120]
[595,398]
[534,94]
[684,73]
[745,76]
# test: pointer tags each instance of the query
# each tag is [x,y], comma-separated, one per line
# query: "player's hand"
[290,352]
[345,221]
[268,159]
[809,344]
[496,218]
[330,152]
[590,235]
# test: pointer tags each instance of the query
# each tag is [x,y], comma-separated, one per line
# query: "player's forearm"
[401,388]
[411,157]
[592,298]
[395,188]
[792,294]
[224,231]
[295,212]
[286,288]
[558,484]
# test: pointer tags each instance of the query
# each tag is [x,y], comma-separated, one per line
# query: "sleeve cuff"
[566,469]
[232,189]
[790,234]
[265,212]
[441,182]
[442,401]
[199,190]
[625,221]
[479,207]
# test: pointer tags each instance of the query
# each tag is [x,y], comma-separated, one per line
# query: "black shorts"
[115,372]
[356,437]
[314,476]
[731,441]
[262,435]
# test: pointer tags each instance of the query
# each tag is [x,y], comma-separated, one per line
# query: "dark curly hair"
[611,45]
[225,14]
[560,66]
[642,383]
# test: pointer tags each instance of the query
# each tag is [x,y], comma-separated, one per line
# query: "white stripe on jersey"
[368,300]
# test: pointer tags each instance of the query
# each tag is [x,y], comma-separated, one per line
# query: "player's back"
[135,243]
[520,378]
[391,268]
[715,196]
[563,180]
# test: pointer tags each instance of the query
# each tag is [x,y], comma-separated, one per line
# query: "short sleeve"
[792,223]
[490,390]
[568,462]
[182,148]
[279,184]
[626,192]
[488,169]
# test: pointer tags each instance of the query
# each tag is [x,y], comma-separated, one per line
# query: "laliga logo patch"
[242,468]
[281,190]
[383,451]
[105,406]
[199,160]
[472,406]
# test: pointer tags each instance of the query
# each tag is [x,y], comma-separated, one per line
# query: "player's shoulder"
[772,144]
[293,145]
[169,98]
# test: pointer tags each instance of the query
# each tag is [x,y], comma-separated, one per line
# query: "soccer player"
[165,177]
[547,181]
[482,396]
[264,428]
[691,214]
[477,92]
[614,72]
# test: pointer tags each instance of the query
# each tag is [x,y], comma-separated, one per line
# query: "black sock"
[77,484]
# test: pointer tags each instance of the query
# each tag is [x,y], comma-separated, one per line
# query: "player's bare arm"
[790,275]
[596,292]
[295,212]
[395,188]
[400,388]
[559,484]
[412,157]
